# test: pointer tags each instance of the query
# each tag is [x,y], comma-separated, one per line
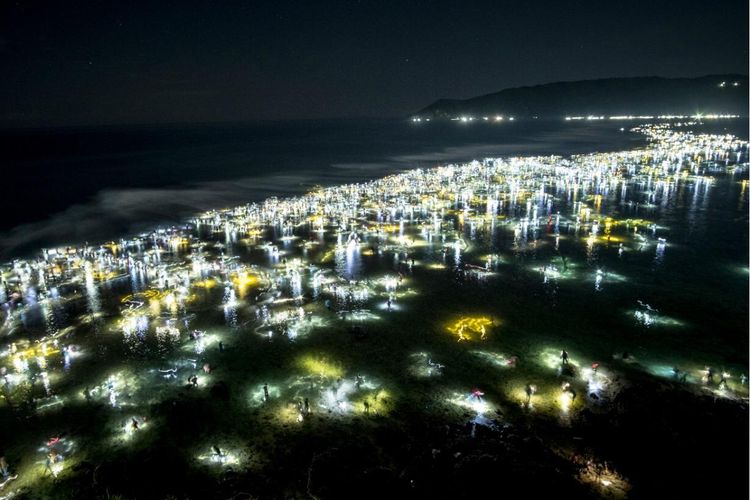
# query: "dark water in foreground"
[73,185]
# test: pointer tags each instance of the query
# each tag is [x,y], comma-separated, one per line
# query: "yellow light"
[378,403]
[244,281]
[320,366]
[565,400]
[207,283]
[470,328]
[155,307]
[389,228]
[112,246]
[34,352]
[149,295]
[177,241]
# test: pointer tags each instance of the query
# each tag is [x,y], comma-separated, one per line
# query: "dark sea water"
[65,186]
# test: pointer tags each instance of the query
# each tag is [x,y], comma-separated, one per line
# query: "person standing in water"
[4,469]
[530,390]
[50,462]
[723,380]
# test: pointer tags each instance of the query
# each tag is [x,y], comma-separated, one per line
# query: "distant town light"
[697,116]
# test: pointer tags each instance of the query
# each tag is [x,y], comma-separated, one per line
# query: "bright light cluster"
[470,328]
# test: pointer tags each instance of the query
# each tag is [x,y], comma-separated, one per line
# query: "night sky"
[106,62]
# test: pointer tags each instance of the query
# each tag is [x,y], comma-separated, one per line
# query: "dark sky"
[69,63]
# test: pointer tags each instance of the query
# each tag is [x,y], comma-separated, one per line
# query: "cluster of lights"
[469,118]
[696,116]
[470,328]
[172,275]
[501,118]
[423,366]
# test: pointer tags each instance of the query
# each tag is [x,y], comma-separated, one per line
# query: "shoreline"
[120,206]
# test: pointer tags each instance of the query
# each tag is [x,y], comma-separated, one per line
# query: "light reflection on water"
[263,300]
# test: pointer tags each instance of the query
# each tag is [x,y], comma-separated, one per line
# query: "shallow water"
[652,265]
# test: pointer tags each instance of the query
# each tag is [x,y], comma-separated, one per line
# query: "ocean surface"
[66,186]
[137,362]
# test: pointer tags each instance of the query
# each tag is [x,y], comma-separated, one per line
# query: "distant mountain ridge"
[720,94]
